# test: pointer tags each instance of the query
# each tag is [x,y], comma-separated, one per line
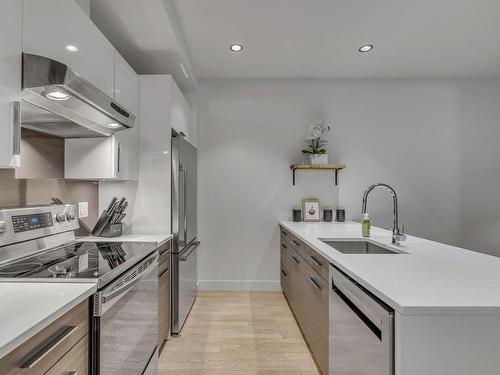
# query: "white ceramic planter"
[317,158]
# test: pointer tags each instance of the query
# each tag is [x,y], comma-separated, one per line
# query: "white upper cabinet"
[10,81]
[126,85]
[52,27]
[181,118]
[127,95]
[117,157]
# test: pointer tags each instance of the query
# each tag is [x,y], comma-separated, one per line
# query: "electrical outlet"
[83,209]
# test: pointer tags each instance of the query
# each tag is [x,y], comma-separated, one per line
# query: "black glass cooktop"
[80,260]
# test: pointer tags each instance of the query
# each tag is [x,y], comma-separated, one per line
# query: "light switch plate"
[83,209]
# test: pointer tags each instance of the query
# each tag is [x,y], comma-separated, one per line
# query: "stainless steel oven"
[361,330]
[125,321]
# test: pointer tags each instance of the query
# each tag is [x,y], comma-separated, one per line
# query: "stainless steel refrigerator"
[184,216]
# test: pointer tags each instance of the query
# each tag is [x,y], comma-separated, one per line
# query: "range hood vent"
[57,101]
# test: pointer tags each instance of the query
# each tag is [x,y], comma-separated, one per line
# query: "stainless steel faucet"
[397,235]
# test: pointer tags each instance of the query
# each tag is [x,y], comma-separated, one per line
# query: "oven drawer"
[76,361]
[42,351]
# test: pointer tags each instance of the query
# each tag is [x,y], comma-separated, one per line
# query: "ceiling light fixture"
[365,48]
[57,95]
[114,125]
[236,47]
[71,48]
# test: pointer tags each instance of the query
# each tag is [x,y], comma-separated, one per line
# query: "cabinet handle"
[72,373]
[16,146]
[295,260]
[284,246]
[284,273]
[315,283]
[315,260]
[47,348]
[296,243]
[283,233]
[119,154]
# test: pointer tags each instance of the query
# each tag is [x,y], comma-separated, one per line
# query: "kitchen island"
[445,300]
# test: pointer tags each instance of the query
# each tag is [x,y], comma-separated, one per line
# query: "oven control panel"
[18,224]
[22,223]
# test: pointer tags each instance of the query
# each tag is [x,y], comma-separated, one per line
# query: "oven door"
[125,322]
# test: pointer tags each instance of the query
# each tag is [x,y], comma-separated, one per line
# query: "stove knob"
[3,227]
[60,218]
[70,216]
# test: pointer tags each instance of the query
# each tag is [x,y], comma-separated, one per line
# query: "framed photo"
[310,209]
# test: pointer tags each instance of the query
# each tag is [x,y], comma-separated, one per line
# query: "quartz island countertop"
[432,278]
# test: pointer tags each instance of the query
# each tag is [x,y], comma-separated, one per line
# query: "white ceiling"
[320,38]
[147,35]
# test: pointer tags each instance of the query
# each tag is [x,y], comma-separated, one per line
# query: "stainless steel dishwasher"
[361,330]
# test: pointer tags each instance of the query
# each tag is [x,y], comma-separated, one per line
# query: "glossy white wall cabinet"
[10,81]
[92,158]
[181,116]
[117,157]
[50,26]
[127,95]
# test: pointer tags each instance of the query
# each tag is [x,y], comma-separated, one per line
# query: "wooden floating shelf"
[333,167]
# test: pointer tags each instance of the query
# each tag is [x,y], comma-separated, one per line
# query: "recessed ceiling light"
[57,95]
[114,125]
[236,47]
[71,48]
[366,48]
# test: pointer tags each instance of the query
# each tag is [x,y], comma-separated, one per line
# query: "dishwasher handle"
[368,323]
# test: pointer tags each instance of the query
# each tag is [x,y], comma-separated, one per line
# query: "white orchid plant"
[314,139]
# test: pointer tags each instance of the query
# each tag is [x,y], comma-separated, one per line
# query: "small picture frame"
[310,210]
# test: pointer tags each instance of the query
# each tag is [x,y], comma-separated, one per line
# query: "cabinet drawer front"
[316,301]
[285,235]
[75,361]
[320,264]
[284,255]
[164,285]
[43,350]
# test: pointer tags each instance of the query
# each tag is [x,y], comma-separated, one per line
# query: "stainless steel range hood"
[57,101]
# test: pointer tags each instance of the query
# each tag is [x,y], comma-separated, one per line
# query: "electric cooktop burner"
[79,260]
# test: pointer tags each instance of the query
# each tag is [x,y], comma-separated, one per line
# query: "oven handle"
[105,298]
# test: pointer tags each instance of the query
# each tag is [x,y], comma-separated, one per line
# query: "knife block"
[112,230]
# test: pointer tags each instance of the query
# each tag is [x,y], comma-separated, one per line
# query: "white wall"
[433,140]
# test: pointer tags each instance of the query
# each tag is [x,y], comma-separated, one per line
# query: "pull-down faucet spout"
[397,234]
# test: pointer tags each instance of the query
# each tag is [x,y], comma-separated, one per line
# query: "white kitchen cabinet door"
[181,117]
[50,26]
[126,85]
[99,159]
[127,95]
[10,81]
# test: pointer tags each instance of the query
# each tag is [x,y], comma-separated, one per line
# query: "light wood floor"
[238,333]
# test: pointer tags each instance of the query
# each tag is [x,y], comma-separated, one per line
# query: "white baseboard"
[239,285]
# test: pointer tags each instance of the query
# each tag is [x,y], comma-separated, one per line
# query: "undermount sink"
[359,247]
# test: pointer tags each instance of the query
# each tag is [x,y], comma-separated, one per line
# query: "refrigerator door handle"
[184,204]
[185,253]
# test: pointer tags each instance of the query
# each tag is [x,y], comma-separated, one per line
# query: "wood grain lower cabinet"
[59,341]
[164,296]
[307,292]
[284,269]
[75,362]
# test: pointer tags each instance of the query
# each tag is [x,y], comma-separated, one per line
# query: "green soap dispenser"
[366,225]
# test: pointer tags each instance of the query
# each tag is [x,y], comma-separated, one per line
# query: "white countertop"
[159,239]
[27,308]
[433,278]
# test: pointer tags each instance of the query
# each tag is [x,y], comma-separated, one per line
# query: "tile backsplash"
[21,192]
